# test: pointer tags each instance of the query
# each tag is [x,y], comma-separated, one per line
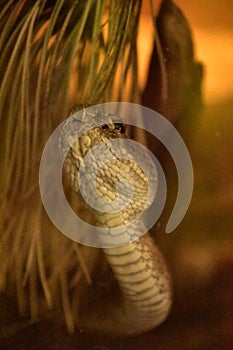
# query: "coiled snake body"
[138,266]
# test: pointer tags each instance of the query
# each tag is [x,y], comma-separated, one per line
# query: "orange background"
[211,24]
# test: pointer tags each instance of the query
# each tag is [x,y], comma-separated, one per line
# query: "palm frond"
[53,54]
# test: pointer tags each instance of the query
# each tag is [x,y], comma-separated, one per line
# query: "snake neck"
[146,291]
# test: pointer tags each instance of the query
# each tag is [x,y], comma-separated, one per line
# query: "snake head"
[84,129]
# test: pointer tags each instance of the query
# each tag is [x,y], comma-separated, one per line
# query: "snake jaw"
[85,143]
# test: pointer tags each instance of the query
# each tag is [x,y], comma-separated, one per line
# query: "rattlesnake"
[138,266]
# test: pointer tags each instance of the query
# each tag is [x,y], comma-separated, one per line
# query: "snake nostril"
[105,127]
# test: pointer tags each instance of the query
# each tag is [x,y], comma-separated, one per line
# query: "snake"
[138,266]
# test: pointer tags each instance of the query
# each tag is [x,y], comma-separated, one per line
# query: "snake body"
[138,266]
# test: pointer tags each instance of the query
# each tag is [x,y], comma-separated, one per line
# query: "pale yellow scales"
[138,266]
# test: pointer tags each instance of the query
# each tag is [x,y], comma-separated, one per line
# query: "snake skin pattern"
[138,266]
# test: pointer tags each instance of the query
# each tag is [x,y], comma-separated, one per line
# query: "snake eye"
[120,127]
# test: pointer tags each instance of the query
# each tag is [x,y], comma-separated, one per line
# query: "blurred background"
[199,252]
[211,25]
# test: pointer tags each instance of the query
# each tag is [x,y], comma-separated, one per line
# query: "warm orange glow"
[215,50]
[212,33]
[145,46]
